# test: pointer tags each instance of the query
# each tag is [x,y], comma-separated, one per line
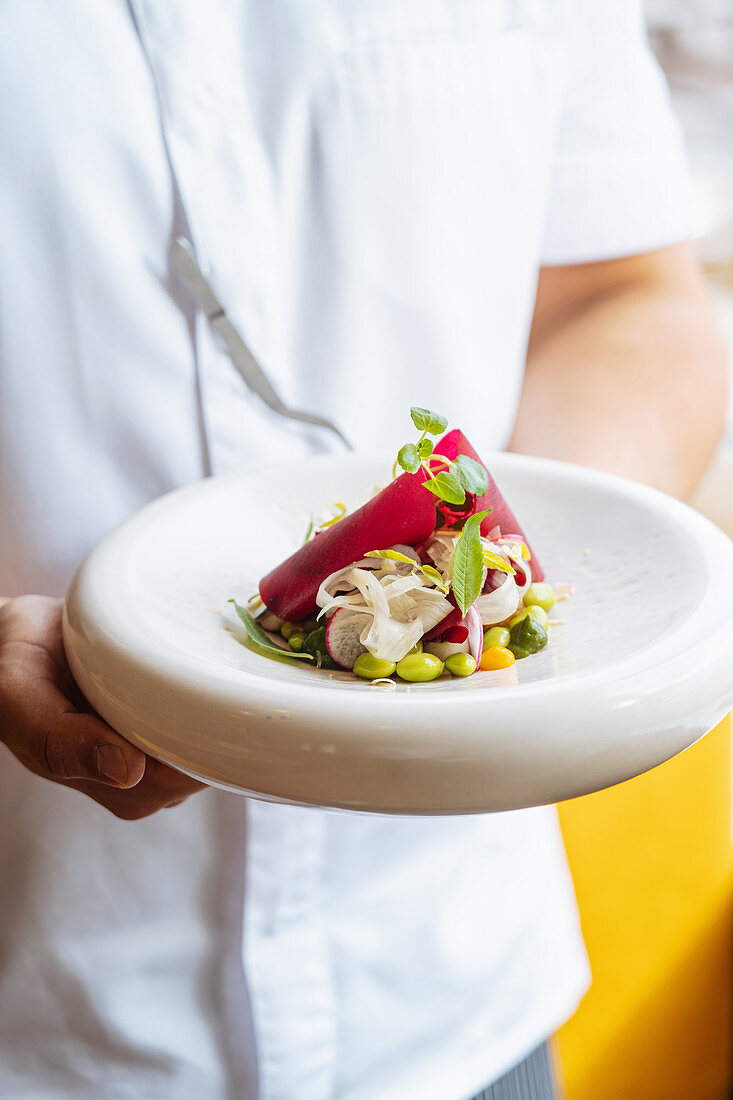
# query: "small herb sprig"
[451,482]
[448,481]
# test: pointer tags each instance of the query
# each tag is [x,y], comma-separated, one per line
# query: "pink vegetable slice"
[342,636]
[475,633]
[455,443]
[404,512]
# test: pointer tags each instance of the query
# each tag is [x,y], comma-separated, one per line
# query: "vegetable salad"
[433,575]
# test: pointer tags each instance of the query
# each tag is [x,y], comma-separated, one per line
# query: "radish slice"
[475,633]
[343,636]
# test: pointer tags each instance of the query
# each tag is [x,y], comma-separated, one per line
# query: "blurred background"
[652,859]
[693,40]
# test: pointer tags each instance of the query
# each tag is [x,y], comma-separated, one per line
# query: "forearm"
[632,382]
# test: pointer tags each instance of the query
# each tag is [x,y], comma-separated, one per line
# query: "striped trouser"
[531,1079]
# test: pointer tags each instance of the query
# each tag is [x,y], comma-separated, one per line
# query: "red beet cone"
[403,512]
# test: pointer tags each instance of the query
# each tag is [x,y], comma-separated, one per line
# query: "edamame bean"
[541,594]
[538,612]
[417,648]
[370,667]
[419,667]
[460,664]
[496,636]
[535,610]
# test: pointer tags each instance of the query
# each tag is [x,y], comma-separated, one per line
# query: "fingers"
[160,788]
[48,735]
[38,722]
[54,731]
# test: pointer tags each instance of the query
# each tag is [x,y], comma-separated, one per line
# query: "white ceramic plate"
[641,668]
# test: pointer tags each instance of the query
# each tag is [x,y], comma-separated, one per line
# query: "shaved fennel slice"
[440,548]
[400,606]
[326,597]
[496,606]
[390,637]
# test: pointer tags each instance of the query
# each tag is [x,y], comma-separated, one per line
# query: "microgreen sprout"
[428,570]
[448,481]
[339,513]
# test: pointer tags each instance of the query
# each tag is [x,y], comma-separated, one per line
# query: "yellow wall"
[653,868]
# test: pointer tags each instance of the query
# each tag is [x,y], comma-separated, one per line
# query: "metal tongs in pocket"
[183,261]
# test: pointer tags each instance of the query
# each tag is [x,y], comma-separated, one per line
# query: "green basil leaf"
[261,640]
[447,487]
[425,448]
[408,458]
[427,421]
[468,563]
[471,474]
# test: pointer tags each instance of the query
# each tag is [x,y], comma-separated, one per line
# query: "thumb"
[46,732]
[85,747]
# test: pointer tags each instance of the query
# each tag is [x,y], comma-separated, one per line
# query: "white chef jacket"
[370,185]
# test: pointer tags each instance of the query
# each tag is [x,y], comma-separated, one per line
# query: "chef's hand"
[47,723]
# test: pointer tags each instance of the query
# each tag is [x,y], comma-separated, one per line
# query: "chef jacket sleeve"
[619,184]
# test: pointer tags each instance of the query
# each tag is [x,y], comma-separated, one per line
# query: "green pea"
[526,636]
[419,667]
[296,642]
[370,667]
[541,594]
[460,664]
[315,643]
[287,629]
[496,635]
